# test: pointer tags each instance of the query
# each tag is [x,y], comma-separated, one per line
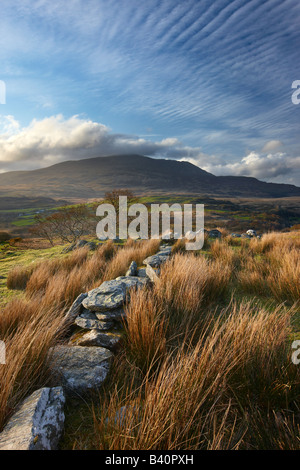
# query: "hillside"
[92,177]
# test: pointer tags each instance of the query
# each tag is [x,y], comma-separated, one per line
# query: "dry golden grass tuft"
[200,396]
[198,370]
[29,330]
[145,329]
[188,283]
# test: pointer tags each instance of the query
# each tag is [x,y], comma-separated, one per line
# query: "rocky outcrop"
[79,369]
[38,422]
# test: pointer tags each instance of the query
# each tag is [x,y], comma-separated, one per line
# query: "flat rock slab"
[111,295]
[111,315]
[38,422]
[132,281]
[80,369]
[93,324]
[96,338]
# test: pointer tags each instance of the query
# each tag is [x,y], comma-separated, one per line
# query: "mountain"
[91,178]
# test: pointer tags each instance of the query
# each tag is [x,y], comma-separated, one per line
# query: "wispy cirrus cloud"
[216,75]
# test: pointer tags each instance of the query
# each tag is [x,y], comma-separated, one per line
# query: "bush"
[4,236]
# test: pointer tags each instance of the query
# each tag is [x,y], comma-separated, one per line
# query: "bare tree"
[113,197]
[68,224]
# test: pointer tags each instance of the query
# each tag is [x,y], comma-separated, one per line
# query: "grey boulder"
[80,369]
[214,234]
[38,422]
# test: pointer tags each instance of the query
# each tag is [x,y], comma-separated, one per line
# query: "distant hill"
[91,178]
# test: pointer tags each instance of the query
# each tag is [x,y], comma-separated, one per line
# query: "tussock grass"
[18,277]
[203,397]
[188,283]
[29,330]
[145,329]
[284,279]
[201,367]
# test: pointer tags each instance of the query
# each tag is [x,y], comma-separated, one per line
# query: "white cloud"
[272,145]
[55,139]
[277,166]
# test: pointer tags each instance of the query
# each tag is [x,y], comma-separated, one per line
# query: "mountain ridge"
[92,177]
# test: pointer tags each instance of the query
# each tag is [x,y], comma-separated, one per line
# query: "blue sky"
[203,81]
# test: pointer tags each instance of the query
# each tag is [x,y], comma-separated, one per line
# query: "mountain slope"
[91,178]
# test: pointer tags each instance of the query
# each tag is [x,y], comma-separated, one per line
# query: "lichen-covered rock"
[111,295]
[111,315]
[156,260]
[38,422]
[76,307]
[80,369]
[142,272]
[132,282]
[88,321]
[132,270]
[96,338]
